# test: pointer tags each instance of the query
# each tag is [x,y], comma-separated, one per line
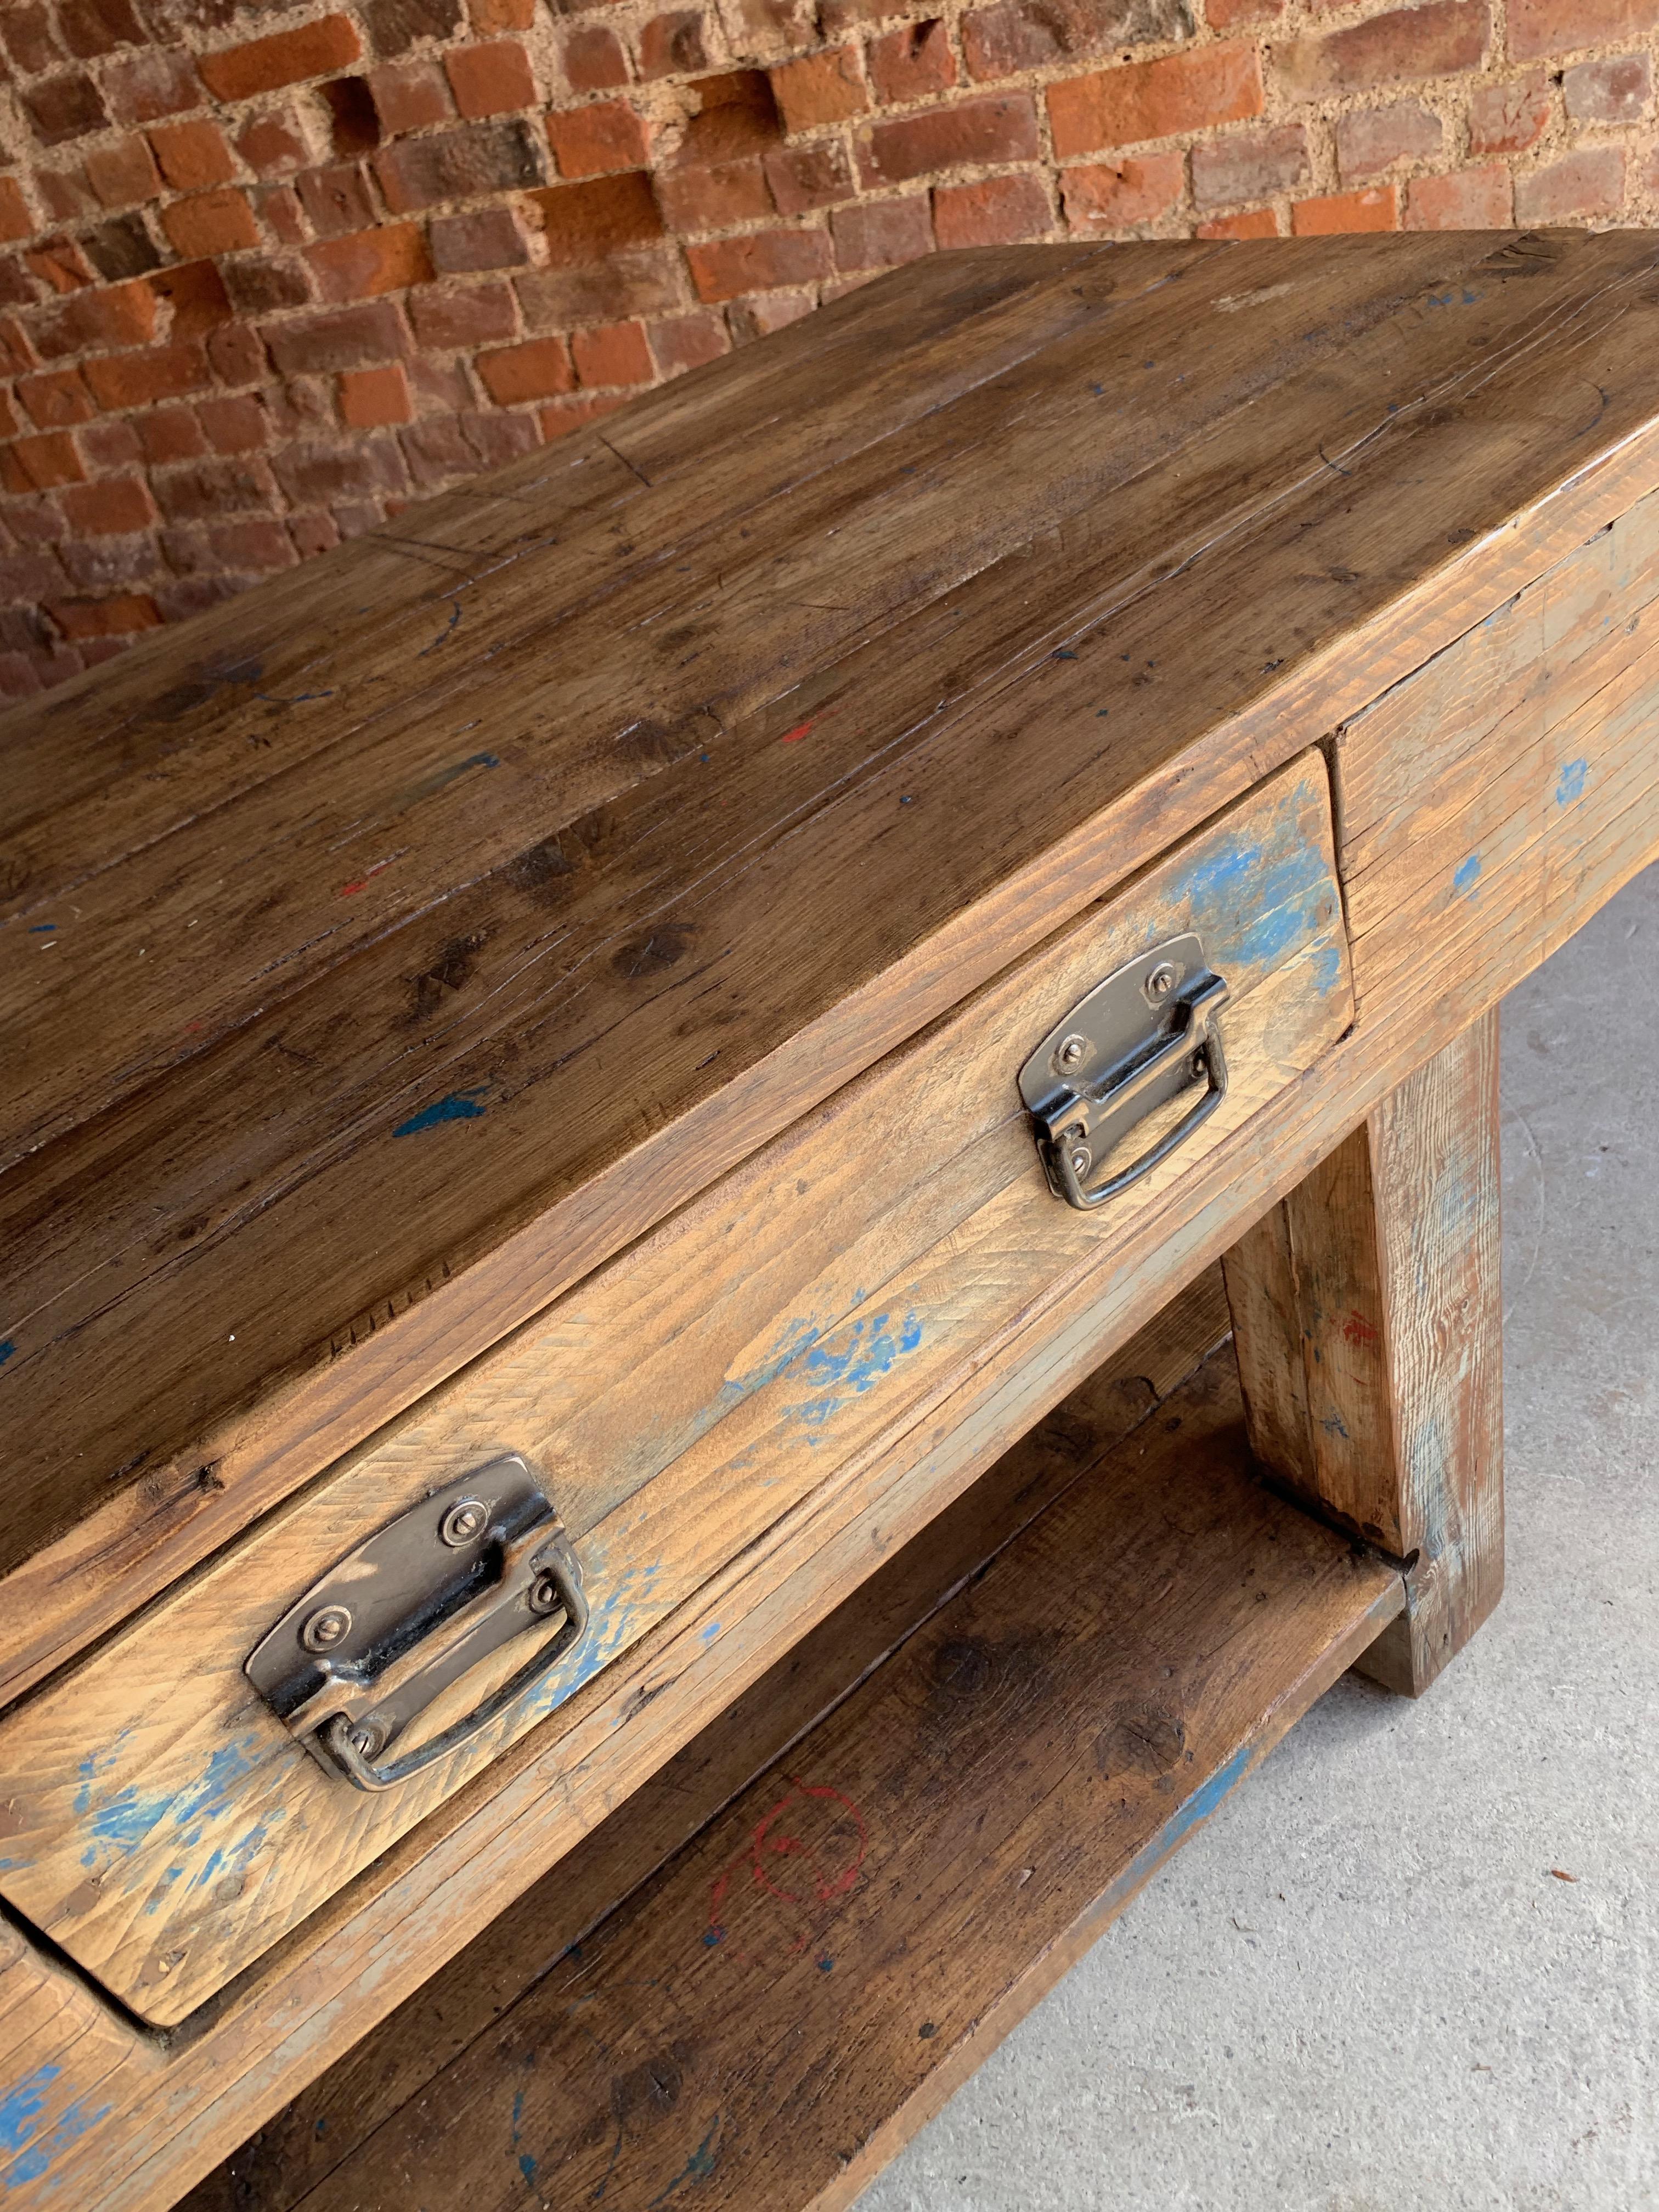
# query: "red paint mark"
[194,1029]
[350,890]
[1358,1330]
[806,1854]
[800,730]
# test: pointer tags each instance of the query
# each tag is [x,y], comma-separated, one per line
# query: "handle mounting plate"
[385,1631]
[1137,1041]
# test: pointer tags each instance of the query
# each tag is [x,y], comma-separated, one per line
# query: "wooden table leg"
[1366,1313]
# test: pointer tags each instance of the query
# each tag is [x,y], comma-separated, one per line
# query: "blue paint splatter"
[459,1106]
[711,1631]
[6,1350]
[698,2168]
[19,2108]
[518,2115]
[714,1936]
[1466,873]
[528,2168]
[41,928]
[1571,781]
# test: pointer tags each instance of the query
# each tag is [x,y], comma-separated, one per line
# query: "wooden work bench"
[749,1206]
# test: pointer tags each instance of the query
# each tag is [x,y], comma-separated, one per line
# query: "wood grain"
[322,2126]
[784,2003]
[1260,562]
[739,1367]
[1367,1316]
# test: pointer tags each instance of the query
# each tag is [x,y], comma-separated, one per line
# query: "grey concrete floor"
[1362,1988]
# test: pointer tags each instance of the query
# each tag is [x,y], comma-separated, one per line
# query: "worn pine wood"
[1281,636]
[776,2010]
[311,2135]
[1367,1315]
[166,1829]
[1536,483]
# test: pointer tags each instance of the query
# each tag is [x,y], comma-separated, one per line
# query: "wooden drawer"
[743,1372]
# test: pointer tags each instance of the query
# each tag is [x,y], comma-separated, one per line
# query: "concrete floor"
[1362,1988]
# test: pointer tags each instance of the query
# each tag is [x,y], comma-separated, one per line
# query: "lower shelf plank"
[777,2007]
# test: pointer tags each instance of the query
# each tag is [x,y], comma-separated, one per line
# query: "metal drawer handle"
[422,1601]
[1137,1041]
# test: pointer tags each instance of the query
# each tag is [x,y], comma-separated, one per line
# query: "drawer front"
[748,1364]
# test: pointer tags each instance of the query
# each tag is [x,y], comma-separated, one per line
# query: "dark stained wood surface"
[772,2013]
[392,944]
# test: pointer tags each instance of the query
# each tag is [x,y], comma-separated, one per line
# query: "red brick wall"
[268,271]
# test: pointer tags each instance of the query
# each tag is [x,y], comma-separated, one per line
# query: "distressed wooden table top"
[386,948]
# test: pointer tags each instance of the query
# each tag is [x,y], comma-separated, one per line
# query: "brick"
[56,400]
[594,59]
[1103,198]
[1377,209]
[210,223]
[482,314]
[1587,184]
[1616,90]
[144,87]
[615,354]
[39,464]
[372,398]
[588,221]
[1255,222]
[534,370]
[410,96]
[998,128]
[204,489]
[138,380]
[566,415]
[1249,165]
[192,155]
[643,281]
[1556,26]
[488,15]
[112,444]
[238,354]
[195,292]
[462,164]
[260,285]
[998,211]
[1233,16]
[367,263]
[255,547]
[673,45]
[30,36]
[92,28]
[33,522]
[120,315]
[99,562]
[820,89]
[10,427]
[812,176]
[715,198]
[15,288]
[79,618]
[491,80]
[109,507]
[490,238]
[350,337]
[315,49]
[882,233]
[64,194]
[313,534]
[737,114]
[723,268]
[759,317]
[1471,199]
[913,63]
[63,108]
[121,248]
[121,175]
[1371,140]
[17,677]
[687,342]
[439,387]
[169,433]
[16,221]
[1141,101]
[395,25]
[16,353]
[1440,40]
[272,144]
[60,262]
[588,142]
[336,200]
[1016,36]
[236,424]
